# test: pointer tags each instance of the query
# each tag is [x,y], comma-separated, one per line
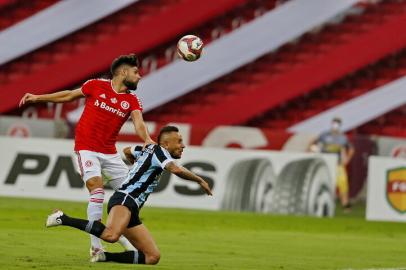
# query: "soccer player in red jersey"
[108,105]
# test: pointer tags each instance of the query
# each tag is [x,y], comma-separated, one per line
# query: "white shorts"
[110,167]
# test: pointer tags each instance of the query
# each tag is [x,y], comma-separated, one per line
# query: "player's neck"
[118,85]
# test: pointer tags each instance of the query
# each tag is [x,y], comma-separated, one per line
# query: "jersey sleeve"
[88,87]
[135,103]
[162,156]
[136,151]
[322,138]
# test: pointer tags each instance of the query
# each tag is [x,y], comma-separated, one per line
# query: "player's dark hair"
[129,59]
[166,129]
[337,119]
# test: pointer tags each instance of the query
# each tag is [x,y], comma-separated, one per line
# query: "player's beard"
[130,85]
[175,156]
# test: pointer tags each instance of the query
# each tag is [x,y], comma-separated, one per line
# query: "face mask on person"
[335,126]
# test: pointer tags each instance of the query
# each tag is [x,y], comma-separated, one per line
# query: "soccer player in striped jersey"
[109,103]
[126,202]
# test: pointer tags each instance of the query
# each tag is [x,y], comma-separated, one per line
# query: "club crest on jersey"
[88,163]
[125,105]
[396,188]
[113,100]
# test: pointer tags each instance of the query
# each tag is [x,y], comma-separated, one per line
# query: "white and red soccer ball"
[190,48]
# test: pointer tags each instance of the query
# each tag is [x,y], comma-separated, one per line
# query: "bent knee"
[94,182]
[152,258]
[110,236]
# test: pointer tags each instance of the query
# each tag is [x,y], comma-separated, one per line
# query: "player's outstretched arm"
[184,173]
[58,97]
[313,145]
[140,127]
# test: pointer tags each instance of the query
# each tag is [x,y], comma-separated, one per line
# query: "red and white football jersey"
[104,114]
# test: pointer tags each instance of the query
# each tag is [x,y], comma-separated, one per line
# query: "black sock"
[135,257]
[141,258]
[93,227]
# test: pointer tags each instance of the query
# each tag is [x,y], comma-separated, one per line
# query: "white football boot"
[54,219]
[95,250]
[98,255]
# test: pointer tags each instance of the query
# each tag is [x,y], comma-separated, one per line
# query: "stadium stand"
[294,70]
[14,11]
[281,83]
[230,52]
[373,104]
[52,23]
[347,88]
[212,29]
[392,123]
[83,48]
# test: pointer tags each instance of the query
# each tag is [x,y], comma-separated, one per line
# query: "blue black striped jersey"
[143,177]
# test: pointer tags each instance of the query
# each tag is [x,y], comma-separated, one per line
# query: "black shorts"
[120,198]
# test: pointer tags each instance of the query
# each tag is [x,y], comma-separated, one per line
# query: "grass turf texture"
[206,240]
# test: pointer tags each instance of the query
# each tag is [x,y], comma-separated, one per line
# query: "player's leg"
[90,170]
[118,220]
[147,251]
[343,188]
[142,239]
[115,172]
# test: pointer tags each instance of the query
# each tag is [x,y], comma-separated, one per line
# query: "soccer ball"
[190,48]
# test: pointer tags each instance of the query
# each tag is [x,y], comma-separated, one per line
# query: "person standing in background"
[336,142]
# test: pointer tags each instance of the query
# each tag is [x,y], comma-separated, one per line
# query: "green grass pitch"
[202,240]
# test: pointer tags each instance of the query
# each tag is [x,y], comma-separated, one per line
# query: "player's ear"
[123,70]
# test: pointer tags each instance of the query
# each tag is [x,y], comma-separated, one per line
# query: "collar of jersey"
[112,88]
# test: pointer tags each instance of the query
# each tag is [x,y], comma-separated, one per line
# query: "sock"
[93,227]
[95,212]
[126,244]
[134,257]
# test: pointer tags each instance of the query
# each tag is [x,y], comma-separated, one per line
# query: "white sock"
[126,244]
[95,212]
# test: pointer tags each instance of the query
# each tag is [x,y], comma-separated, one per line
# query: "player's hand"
[344,162]
[128,155]
[148,141]
[206,187]
[27,98]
